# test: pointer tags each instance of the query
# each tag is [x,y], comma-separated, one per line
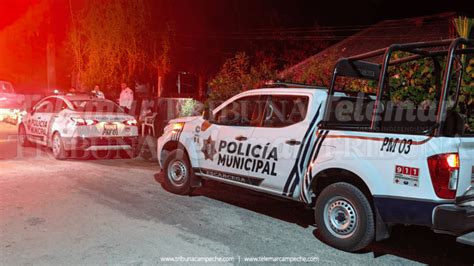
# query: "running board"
[467,239]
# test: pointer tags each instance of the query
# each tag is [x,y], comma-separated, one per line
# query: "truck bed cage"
[362,66]
[359,65]
[293,85]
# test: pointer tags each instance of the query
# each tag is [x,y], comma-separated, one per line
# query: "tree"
[111,42]
[237,75]
[161,56]
[23,47]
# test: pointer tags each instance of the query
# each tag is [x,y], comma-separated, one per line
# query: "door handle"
[293,142]
[240,138]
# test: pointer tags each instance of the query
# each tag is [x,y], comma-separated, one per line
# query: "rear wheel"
[177,173]
[58,147]
[22,138]
[344,217]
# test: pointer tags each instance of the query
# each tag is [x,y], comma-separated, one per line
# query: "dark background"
[208,31]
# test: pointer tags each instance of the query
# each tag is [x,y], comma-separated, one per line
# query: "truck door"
[280,138]
[224,143]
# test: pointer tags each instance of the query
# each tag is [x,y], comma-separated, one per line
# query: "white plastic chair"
[149,121]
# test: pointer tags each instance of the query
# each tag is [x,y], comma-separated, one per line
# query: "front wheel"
[344,217]
[58,147]
[177,173]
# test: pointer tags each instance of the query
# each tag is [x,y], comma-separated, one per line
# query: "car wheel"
[58,147]
[177,173]
[22,138]
[344,217]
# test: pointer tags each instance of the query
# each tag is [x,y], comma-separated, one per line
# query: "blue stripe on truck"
[405,211]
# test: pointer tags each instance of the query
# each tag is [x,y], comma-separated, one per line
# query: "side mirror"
[206,114]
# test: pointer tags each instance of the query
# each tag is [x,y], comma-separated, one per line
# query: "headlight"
[177,126]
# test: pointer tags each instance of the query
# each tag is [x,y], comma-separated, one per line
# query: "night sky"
[216,29]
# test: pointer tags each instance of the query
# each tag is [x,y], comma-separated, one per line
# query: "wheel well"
[174,145]
[171,146]
[334,175]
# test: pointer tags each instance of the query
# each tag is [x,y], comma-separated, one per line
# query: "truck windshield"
[96,106]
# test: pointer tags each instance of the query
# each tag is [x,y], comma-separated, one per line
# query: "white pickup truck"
[363,160]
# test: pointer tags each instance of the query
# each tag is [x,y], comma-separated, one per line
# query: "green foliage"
[412,81]
[463,26]
[189,107]
[237,75]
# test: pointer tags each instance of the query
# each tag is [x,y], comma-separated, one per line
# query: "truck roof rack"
[278,83]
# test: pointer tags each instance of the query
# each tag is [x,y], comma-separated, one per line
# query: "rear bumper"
[457,219]
[453,219]
[98,143]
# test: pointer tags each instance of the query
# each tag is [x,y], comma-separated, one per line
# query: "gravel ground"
[116,212]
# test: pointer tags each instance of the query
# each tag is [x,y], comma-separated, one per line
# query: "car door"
[280,138]
[226,141]
[39,121]
[58,121]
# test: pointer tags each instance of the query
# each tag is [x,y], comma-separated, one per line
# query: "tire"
[57,147]
[177,173]
[22,138]
[344,217]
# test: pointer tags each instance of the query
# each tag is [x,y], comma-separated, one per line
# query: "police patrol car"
[78,122]
[363,162]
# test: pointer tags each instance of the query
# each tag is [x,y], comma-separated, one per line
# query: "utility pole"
[50,50]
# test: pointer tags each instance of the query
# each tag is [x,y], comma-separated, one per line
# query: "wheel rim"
[56,144]
[340,217]
[178,173]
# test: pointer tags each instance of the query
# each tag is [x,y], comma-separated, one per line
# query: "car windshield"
[6,87]
[96,106]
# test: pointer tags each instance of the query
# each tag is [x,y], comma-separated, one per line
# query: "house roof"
[380,35]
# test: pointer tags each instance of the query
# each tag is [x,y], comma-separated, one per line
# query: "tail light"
[131,122]
[444,171]
[83,122]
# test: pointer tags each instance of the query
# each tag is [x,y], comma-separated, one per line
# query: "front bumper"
[101,143]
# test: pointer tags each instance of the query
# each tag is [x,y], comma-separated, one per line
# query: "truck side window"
[285,110]
[245,111]
[351,111]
